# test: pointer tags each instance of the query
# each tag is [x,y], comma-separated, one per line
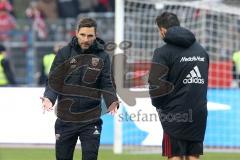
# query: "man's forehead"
[87,30]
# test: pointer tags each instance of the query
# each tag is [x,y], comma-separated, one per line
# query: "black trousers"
[67,134]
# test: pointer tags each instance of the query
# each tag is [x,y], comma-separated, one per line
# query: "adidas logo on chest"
[194,77]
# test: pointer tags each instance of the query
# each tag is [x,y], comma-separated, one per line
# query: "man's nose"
[85,39]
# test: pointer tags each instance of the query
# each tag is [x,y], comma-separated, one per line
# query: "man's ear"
[163,31]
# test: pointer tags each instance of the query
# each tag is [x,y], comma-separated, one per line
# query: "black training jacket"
[96,78]
[183,111]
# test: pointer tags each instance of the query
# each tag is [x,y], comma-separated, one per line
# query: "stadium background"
[26,125]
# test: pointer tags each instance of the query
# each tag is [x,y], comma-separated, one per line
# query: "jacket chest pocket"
[91,75]
[93,70]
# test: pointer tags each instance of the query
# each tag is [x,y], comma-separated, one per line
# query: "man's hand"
[47,104]
[113,107]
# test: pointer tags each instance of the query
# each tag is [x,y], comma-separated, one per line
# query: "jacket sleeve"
[158,58]
[8,72]
[50,93]
[107,83]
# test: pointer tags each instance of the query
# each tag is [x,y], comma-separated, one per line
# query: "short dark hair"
[167,20]
[87,22]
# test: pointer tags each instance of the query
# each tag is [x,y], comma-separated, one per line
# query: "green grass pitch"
[104,154]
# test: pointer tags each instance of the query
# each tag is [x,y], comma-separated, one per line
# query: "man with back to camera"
[183,111]
[67,133]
